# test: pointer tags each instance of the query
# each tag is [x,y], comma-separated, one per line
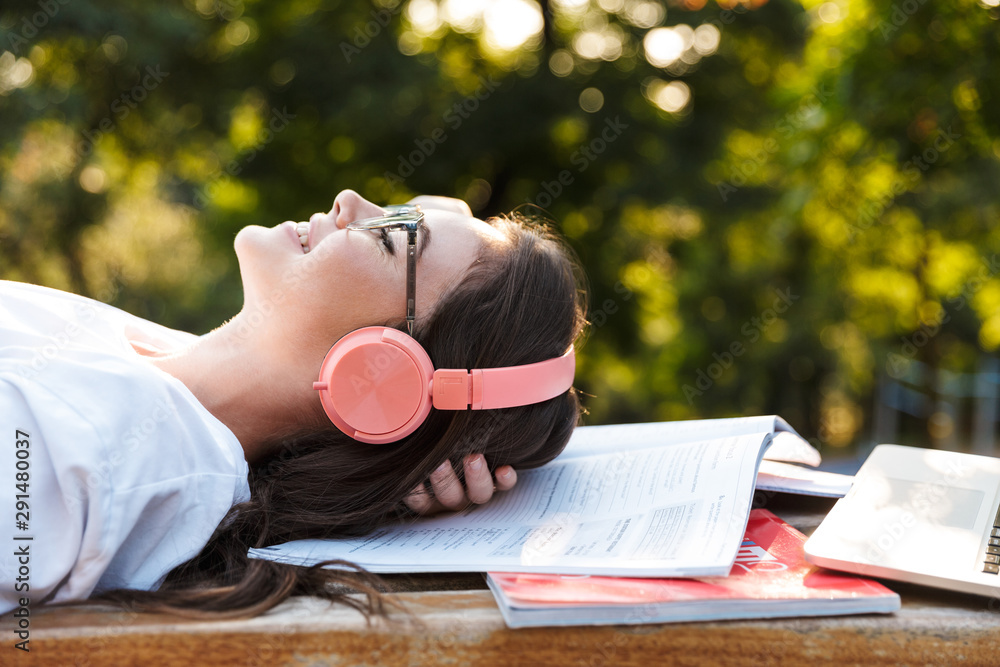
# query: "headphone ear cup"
[374,384]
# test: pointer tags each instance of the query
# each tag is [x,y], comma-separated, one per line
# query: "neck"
[260,395]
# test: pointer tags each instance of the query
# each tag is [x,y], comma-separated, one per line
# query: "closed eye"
[387,240]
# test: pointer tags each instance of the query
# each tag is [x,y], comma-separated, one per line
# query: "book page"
[787,445]
[677,510]
[787,478]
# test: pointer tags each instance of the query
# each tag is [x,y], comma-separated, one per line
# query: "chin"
[248,237]
[260,254]
[255,244]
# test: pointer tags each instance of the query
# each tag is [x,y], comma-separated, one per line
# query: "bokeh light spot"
[561,63]
[663,46]
[591,100]
[93,179]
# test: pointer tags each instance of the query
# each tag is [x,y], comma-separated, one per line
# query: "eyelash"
[386,240]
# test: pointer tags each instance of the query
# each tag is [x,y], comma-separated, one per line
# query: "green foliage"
[821,188]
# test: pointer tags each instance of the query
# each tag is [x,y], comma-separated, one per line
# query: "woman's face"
[310,295]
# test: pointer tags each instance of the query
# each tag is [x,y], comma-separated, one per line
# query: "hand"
[448,491]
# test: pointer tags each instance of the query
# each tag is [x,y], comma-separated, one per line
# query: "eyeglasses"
[408,217]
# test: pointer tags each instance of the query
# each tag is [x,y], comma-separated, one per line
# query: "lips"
[306,234]
[291,227]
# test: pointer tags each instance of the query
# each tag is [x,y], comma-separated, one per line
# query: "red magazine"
[769,579]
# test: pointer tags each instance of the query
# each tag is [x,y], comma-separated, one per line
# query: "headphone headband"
[507,387]
[378,384]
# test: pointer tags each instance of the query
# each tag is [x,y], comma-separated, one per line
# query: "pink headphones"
[377,384]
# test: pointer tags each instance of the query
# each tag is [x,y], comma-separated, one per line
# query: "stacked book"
[769,579]
[632,523]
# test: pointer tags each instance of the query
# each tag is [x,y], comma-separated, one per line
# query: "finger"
[420,501]
[506,478]
[478,481]
[447,489]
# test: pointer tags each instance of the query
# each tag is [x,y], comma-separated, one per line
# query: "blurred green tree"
[776,204]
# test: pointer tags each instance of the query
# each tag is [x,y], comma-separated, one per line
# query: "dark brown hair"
[521,302]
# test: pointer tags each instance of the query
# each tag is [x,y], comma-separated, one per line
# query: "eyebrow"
[423,240]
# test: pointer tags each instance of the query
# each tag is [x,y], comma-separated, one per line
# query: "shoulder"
[129,474]
[137,423]
[51,320]
[69,361]
[24,301]
[123,410]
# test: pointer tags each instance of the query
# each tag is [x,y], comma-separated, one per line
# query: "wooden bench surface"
[456,622]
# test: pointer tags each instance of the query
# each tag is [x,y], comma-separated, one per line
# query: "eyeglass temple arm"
[411,278]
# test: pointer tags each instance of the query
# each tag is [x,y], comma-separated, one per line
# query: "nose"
[350,206]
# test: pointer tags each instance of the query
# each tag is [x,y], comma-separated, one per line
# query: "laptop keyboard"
[991,564]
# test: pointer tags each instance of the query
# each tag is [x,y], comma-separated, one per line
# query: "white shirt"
[128,475]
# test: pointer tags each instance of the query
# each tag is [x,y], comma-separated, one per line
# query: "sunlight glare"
[706,39]
[424,16]
[512,23]
[645,14]
[463,15]
[829,12]
[663,46]
[572,6]
[589,44]
[14,72]
[671,97]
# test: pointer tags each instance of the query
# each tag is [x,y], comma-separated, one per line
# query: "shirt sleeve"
[44,513]
[128,476]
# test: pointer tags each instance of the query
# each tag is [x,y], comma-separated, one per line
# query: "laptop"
[923,516]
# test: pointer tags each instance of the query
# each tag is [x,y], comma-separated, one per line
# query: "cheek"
[352,289]
[436,286]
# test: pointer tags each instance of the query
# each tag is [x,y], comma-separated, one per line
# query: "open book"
[668,499]
[778,471]
[769,579]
